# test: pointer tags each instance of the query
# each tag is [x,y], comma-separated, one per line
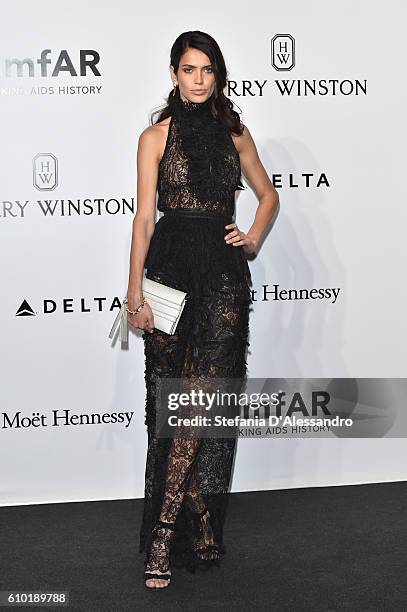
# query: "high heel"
[159,557]
[206,552]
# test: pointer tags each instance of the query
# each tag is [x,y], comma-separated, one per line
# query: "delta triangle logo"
[25,310]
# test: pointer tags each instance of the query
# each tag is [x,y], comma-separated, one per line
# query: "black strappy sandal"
[157,555]
[207,554]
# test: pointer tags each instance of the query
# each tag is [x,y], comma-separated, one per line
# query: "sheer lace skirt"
[185,476]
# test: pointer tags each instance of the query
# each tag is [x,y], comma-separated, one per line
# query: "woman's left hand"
[239,238]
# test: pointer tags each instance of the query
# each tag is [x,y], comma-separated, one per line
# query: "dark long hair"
[222,106]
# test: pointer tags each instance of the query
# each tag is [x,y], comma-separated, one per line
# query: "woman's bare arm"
[144,219]
[259,181]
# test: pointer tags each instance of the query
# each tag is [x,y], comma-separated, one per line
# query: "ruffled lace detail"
[200,168]
[192,254]
[184,246]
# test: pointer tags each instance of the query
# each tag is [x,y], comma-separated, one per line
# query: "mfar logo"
[82,66]
[67,305]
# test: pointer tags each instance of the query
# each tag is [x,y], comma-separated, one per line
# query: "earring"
[175,84]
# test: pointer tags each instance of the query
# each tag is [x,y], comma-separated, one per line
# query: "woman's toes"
[156,583]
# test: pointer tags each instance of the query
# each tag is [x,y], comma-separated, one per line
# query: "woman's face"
[195,77]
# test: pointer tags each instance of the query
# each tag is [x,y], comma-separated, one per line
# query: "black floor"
[334,548]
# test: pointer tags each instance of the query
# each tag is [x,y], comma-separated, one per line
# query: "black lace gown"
[198,176]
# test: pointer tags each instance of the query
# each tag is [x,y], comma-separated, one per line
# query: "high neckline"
[190,108]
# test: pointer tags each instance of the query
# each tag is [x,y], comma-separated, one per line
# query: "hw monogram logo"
[283,52]
[45,171]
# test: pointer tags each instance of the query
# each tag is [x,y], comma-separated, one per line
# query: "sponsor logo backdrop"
[323,98]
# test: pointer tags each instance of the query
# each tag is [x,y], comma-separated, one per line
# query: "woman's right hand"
[142,320]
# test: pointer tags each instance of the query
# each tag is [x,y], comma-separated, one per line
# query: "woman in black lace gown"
[196,247]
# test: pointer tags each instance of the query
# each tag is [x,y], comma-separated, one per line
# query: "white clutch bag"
[166,303]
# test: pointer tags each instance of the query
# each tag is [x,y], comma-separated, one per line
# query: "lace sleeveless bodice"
[200,168]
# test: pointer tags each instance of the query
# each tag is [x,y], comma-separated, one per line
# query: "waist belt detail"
[185,212]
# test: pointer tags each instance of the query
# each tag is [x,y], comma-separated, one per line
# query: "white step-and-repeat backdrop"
[327,112]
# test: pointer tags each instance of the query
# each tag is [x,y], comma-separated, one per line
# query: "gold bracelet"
[138,307]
